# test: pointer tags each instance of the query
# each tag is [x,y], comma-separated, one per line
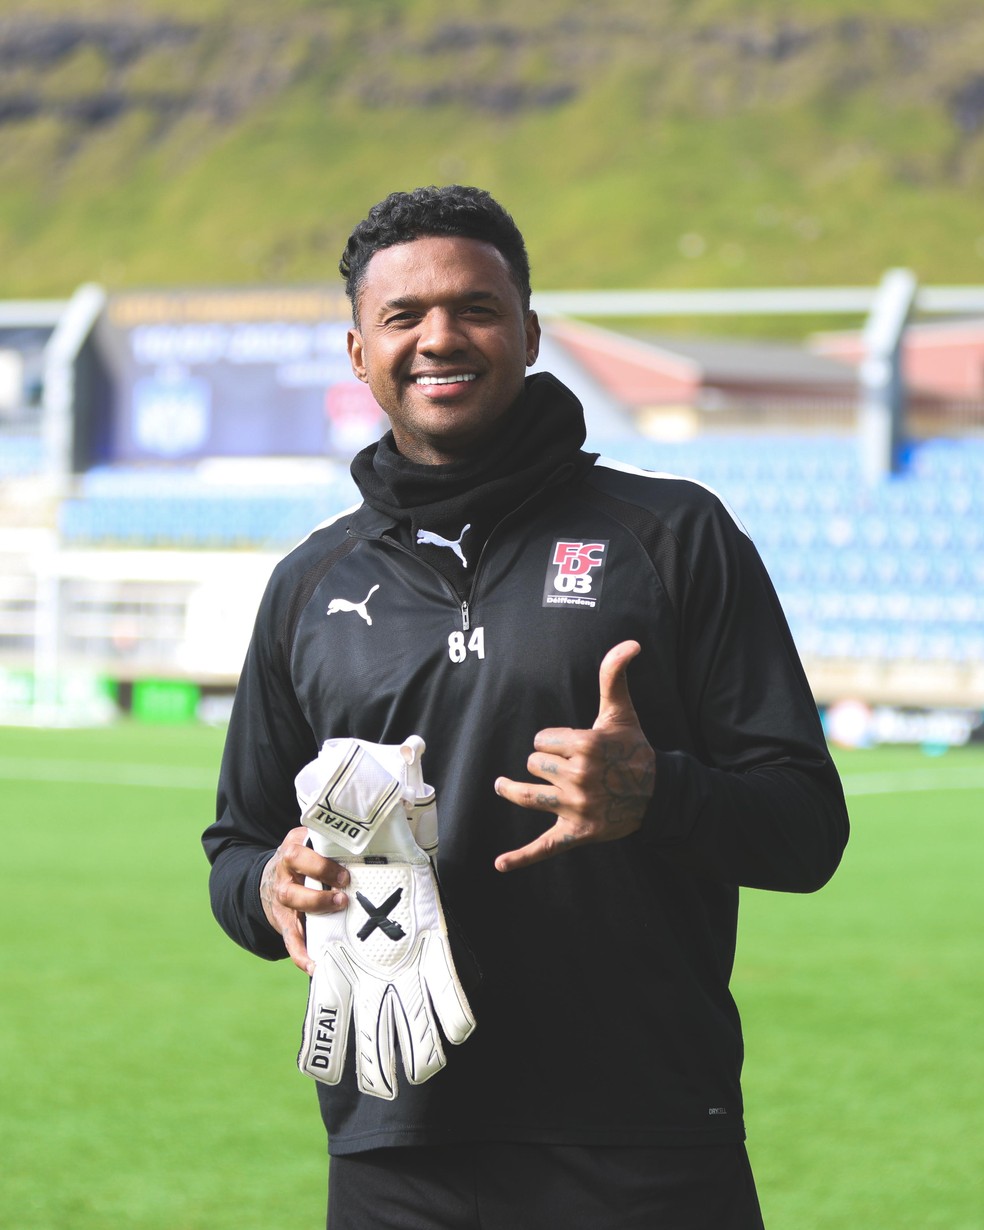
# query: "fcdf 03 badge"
[575,572]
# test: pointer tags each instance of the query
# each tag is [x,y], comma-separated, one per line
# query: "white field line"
[913,780]
[89,773]
[168,777]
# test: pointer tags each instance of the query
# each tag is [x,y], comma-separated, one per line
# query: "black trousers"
[543,1187]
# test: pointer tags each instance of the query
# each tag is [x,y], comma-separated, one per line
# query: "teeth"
[445,379]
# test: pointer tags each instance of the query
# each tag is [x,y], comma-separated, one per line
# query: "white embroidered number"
[458,649]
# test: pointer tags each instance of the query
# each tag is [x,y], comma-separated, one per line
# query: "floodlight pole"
[881,415]
[74,325]
[47,636]
[60,356]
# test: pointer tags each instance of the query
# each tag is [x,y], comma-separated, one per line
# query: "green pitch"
[148,1064]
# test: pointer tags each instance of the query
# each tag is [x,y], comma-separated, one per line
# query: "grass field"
[148,1064]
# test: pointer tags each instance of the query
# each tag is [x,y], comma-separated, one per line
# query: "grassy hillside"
[639,143]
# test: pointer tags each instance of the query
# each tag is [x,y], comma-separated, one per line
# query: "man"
[619,732]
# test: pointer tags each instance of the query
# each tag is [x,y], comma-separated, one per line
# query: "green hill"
[639,143]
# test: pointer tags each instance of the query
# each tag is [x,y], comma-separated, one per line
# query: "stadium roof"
[644,371]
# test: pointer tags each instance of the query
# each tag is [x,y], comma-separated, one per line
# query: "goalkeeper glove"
[385,961]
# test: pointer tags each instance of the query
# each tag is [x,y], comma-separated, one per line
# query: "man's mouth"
[459,378]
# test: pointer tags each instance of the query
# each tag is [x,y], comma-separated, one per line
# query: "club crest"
[575,572]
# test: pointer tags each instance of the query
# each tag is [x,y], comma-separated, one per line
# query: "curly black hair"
[452,210]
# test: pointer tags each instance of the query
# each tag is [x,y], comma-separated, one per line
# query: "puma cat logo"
[343,604]
[436,540]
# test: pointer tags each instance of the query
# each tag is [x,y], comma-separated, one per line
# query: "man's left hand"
[599,781]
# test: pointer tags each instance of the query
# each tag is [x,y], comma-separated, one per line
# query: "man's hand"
[599,781]
[286,899]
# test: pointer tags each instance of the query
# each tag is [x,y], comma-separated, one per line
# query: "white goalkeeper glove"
[385,961]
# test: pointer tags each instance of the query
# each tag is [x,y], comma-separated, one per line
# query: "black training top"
[604,1015]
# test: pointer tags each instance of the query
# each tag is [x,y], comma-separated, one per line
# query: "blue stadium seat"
[890,572]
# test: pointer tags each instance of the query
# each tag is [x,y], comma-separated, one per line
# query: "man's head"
[443,333]
[470,213]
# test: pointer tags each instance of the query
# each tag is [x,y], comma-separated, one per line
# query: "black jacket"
[604,1015]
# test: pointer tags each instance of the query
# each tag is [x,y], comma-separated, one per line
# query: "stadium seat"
[892,572]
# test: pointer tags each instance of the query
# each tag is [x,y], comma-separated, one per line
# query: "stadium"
[143,507]
[791,192]
[179,443]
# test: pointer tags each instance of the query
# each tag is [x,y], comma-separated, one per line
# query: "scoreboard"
[187,375]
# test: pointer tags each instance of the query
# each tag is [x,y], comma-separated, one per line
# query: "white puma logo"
[343,604]
[437,541]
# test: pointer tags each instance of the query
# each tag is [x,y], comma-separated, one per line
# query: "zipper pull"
[465,618]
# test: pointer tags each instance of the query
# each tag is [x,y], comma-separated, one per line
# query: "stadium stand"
[134,509]
[891,572]
[133,564]
[20,456]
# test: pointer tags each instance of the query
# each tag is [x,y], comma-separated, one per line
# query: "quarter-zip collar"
[444,513]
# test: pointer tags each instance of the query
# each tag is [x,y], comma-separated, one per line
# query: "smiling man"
[443,338]
[619,733]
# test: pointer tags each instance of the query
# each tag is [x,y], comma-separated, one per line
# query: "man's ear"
[532,338]
[355,353]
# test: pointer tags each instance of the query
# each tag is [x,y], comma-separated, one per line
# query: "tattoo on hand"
[628,781]
[268,897]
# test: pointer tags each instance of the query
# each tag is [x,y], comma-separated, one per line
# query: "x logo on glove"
[378,917]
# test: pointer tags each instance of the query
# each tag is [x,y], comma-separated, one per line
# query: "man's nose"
[441,334]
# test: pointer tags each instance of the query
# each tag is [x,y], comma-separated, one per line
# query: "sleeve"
[268,742]
[757,802]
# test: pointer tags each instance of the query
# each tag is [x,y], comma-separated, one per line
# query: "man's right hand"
[286,899]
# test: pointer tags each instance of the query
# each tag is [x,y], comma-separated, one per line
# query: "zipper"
[559,477]
[398,546]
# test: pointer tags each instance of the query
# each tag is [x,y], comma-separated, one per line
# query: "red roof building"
[641,374]
[940,360]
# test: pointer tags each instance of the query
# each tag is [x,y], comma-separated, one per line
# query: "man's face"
[443,343]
